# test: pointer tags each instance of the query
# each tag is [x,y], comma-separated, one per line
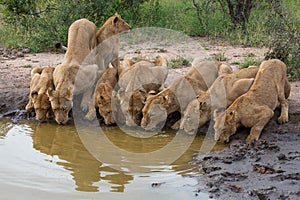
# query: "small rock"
[14,51]
[227,161]
[20,54]
[155,185]
[26,50]
[213,190]
[281,157]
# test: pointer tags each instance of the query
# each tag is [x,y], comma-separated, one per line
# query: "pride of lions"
[133,93]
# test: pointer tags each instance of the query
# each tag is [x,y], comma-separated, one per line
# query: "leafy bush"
[179,61]
[39,24]
[250,61]
[284,43]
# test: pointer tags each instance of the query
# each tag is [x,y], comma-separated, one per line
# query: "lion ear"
[34,94]
[166,98]
[152,92]
[217,112]
[202,105]
[231,117]
[116,19]
[143,91]
[69,93]
[50,92]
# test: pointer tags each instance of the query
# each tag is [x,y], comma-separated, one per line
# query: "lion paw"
[84,106]
[251,138]
[283,119]
[90,115]
[176,126]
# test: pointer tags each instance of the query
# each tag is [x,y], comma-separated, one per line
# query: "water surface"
[47,161]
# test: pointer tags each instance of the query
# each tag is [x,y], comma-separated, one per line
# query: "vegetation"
[179,61]
[220,57]
[38,24]
[250,61]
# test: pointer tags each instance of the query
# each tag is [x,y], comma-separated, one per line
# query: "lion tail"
[60,46]
[287,89]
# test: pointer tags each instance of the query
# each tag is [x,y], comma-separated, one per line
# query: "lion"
[255,108]
[180,92]
[108,44]
[41,81]
[81,41]
[225,89]
[102,96]
[136,82]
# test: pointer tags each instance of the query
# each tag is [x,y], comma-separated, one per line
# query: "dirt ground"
[267,169]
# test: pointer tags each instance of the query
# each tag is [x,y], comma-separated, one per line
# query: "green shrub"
[248,61]
[284,43]
[179,61]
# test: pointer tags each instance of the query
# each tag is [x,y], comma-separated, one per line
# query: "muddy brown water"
[47,161]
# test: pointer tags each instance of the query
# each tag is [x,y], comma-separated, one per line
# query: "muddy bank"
[267,169]
[15,66]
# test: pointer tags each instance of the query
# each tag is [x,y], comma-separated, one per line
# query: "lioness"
[255,108]
[41,81]
[180,92]
[108,44]
[81,40]
[225,89]
[135,83]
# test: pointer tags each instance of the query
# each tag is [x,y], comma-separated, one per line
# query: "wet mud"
[265,169]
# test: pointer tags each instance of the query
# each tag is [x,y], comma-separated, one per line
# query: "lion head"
[189,122]
[156,109]
[103,102]
[61,103]
[225,125]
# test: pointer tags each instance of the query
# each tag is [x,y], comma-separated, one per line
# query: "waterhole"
[47,161]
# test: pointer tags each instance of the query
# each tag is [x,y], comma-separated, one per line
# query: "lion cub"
[225,89]
[41,81]
[103,95]
[255,108]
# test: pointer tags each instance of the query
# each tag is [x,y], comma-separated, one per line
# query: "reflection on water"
[64,142]
[60,146]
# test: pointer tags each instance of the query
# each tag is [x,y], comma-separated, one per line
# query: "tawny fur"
[103,96]
[180,92]
[135,84]
[255,108]
[85,60]
[81,40]
[41,81]
[225,89]
[108,44]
